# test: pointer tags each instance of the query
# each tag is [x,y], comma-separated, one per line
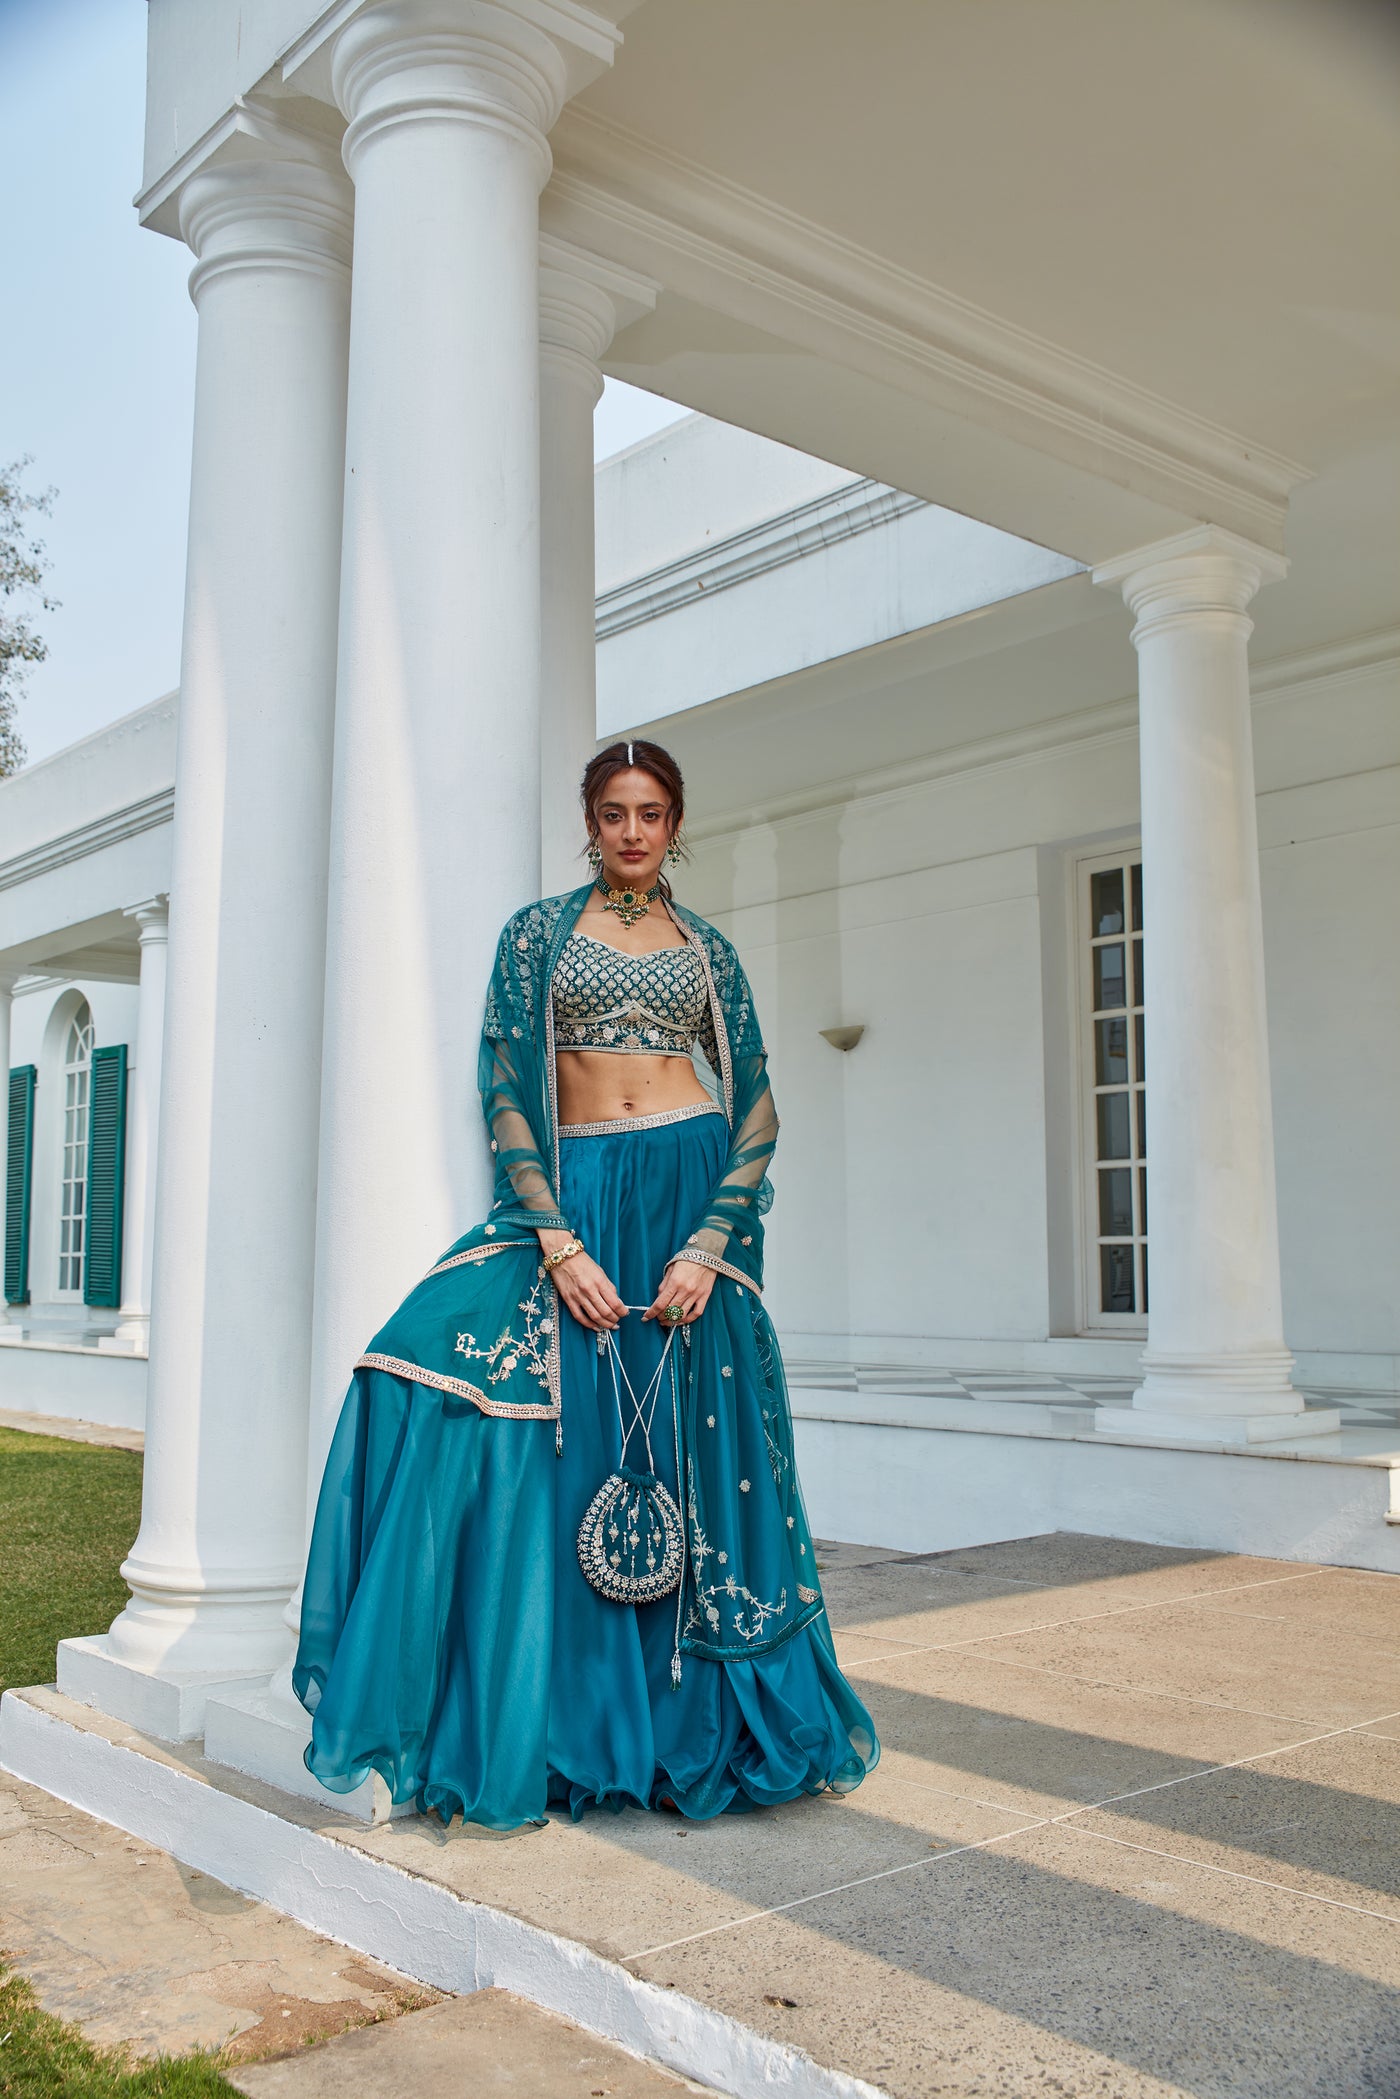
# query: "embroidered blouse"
[654,1005]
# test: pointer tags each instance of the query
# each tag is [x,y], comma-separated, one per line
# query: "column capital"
[276,199]
[152,918]
[583,302]
[257,191]
[1206,574]
[508,65]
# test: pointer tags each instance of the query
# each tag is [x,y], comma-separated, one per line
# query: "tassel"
[676,1668]
[558,1435]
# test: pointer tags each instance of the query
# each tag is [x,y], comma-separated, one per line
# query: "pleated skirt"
[450,1640]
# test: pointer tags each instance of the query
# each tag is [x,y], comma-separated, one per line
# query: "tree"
[22,569]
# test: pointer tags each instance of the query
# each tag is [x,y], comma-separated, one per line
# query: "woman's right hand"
[584,1288]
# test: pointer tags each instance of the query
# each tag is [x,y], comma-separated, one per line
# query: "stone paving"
[147,1955]
[1135,1835]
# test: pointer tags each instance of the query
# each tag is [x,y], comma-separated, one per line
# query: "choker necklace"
[629,904]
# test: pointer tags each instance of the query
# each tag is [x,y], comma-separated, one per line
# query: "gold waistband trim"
[623,1123]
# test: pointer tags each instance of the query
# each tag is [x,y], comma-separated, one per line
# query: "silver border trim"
[621,1124]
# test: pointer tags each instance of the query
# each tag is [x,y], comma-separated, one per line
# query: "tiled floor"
[1027,1403]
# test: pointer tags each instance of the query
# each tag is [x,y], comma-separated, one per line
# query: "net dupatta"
[519,1092]
[728,1235]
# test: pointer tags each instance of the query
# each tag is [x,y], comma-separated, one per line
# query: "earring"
[673,851]
[595,857]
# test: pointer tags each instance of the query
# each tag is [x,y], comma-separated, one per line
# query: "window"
[77,1085]
[1115,1095]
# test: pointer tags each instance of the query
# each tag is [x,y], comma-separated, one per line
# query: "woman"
[560,1556]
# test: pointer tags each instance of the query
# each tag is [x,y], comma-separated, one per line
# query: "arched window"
[77,1090]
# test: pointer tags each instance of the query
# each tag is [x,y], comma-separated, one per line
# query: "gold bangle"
[563,1253]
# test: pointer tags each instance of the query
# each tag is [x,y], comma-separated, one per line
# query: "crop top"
[655,1005]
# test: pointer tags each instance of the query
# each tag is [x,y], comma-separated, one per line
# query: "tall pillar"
[435,817]
[143,1126]
[435,829]
[1215,1366]
[10,975]
[583,302]
[219,1549]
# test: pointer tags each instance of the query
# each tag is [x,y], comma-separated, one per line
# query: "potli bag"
[631,1543]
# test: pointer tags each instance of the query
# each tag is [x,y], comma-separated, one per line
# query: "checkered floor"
[1370,1421]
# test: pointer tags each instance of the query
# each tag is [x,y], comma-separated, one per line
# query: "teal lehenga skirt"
[449,1638]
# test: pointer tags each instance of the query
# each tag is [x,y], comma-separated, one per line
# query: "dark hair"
[636,756]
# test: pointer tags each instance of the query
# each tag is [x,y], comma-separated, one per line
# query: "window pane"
[1142,1198]
[1116,1278]
[1116,1202]
[1111,1053]
[1142,1127]
[1113,1126]
[1137,973]
[1108,977]
[1143,1255]
[1137,898]
[1106,907]
[1141,1046]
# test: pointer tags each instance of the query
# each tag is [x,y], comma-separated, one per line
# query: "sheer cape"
[483,1325]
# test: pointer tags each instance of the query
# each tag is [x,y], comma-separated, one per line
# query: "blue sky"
[97,362]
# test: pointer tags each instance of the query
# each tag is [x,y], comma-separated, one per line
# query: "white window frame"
[1092,1319]
[76,1112]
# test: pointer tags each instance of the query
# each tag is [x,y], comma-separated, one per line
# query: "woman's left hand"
[687,1284]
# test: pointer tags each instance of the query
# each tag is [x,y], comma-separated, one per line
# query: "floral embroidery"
[506,1353]
[743,1486]
[706,1615]
[607,999]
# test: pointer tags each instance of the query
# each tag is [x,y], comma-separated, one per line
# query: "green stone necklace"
[629,904]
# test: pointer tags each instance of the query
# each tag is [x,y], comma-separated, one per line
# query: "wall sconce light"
[843,1038]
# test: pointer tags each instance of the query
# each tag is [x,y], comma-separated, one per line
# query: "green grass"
[68,1515]
[41,2058]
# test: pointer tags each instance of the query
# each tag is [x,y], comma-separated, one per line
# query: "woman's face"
[634,828]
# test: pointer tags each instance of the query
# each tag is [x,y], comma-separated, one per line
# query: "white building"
[1092,305]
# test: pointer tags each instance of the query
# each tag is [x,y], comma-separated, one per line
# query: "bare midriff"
[607,1085]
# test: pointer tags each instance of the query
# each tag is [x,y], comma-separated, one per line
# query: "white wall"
[1330,860]
[924,1179]
[726,561]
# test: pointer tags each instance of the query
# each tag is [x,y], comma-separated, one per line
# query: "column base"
[1218,1399]
[258,1729]
[168,1704]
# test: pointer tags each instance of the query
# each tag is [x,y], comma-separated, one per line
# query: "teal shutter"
[19,1176]
[102,1257]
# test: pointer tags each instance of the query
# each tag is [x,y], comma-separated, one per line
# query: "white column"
[583,302]
[143,1127]
[220,1543]
[435,821]
[435,832]
[1215,1366]
[9,977]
